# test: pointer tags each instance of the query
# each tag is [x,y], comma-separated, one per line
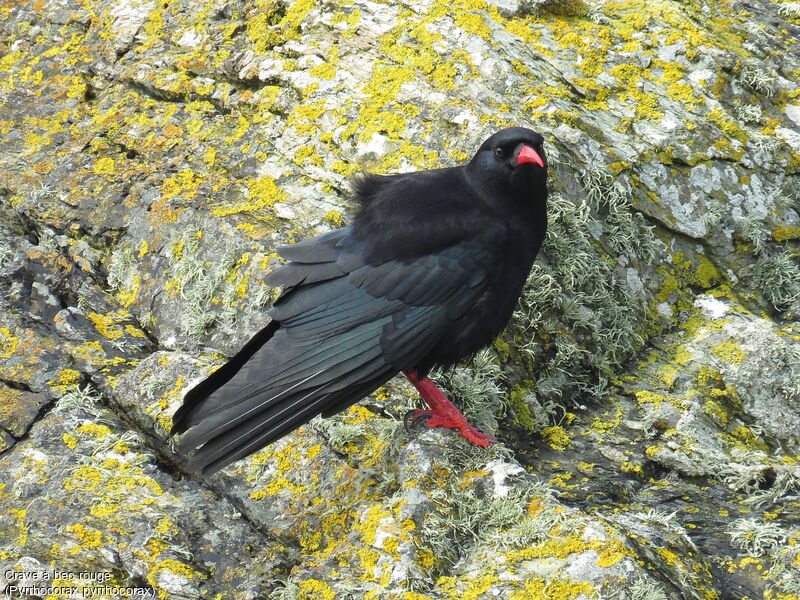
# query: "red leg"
[443,412]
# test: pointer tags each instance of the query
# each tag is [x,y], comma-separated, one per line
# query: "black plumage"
[428,273]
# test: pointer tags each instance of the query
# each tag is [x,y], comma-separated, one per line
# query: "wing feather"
[322,248]
[294,274]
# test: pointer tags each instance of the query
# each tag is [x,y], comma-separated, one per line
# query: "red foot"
[443,413]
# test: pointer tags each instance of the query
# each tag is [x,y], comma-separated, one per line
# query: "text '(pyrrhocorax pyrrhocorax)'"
[428,273]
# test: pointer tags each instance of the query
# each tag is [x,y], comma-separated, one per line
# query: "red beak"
[529,155]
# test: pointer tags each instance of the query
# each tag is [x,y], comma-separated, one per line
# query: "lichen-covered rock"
[92,500]
[154,154]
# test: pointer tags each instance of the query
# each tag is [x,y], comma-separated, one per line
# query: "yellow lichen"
[323,71]
[285,461]
[314,589]
[135,332]
[631,467]
[669,557]
[8,343]
[560,480]
[262,194]
[94,430]
[334,217]
[128,295]
[67,380]
[707,274]
[728,351]
[20,515]
[108,325]
[783,233]
[185,184]
[743,438]
[88,538]
[307,154]
[541,589]
[175,568]
[606,423]
[104,166]
[557,438]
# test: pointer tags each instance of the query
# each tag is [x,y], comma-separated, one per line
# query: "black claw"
[410,420]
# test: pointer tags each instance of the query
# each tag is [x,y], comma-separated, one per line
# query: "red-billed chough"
[428,273]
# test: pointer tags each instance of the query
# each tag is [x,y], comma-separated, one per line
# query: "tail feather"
[283,385]
[276,419]
[180,421]
[216,424]
[335,402]
[240,405]
[237,442]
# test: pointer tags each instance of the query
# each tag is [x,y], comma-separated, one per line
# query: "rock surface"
[646,395]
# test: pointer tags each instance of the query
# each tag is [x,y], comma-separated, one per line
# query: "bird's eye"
[498,152]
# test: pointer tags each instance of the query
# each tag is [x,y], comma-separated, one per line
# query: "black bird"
[428,273]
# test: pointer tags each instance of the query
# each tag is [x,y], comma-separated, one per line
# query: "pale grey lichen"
[758,79]
[756,537]
[749,113]
[714,214]
[122,268]
[778,278]
[285,591]
[466,515]
[582,288]
[7,252]
[82,398]
[210,296]
[640,588]
[789,10]
[755,231]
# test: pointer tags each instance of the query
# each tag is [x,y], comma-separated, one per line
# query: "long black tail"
[182,419]
[267,392]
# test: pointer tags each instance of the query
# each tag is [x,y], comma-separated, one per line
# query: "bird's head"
[512,164]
